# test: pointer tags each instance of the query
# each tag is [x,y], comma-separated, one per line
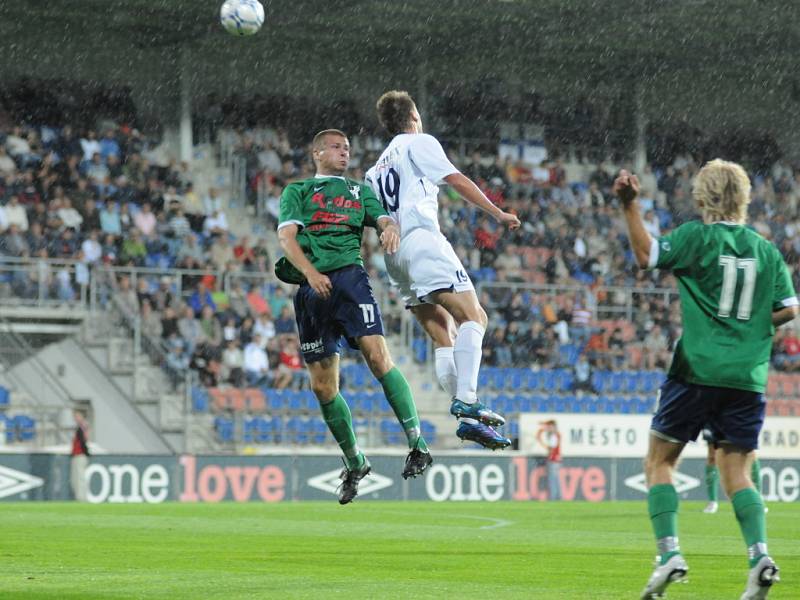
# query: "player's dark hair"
[394,111]
[319,139]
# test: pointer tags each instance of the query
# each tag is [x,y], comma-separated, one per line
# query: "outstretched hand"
[390,238]
[626,187]
[509,220]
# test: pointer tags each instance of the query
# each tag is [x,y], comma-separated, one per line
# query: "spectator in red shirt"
[787,357]
[79,460]
[549,438]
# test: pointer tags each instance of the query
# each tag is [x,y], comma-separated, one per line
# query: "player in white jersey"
[431,279]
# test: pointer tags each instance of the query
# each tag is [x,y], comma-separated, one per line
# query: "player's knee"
[483,318]
[325,391]
[377,358]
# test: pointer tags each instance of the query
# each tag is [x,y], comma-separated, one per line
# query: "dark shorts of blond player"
[730,416]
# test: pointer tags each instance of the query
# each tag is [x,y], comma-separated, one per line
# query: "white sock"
[446,369]
[467,355]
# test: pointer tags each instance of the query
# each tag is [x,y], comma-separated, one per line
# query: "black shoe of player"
[416,463]
[348,489]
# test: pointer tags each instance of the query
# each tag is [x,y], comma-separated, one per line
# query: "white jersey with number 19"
[406,179]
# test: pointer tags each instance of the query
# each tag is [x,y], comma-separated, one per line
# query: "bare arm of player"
[389,234]
[626,187]
[472,194]
[319,282]
[784,315]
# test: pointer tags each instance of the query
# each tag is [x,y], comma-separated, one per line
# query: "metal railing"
[606,302]
[43,282]
[40,391]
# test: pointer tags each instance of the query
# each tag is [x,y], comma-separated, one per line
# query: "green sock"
[755,474]
[340,422]
[398,393]
[662,504]
[712,482]
[749,509]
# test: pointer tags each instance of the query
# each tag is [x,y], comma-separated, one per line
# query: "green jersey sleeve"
[372,206]
[675,251]
[784,294]
[291,210]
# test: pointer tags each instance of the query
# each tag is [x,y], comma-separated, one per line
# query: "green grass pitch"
[372,550]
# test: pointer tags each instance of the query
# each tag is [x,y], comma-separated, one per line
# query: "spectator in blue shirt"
[202,297]
[109,146]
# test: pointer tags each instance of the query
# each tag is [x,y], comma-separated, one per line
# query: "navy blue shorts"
[350,312]
[731,416]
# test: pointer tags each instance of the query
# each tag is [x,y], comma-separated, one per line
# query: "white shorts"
[425,263]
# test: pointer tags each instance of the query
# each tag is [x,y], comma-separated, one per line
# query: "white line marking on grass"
[496,523]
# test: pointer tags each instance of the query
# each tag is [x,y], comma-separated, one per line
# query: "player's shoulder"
[423,140]
[299,186]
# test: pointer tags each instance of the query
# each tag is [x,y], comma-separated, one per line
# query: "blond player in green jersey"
[735,289]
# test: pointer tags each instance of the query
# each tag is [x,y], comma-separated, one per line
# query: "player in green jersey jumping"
[320,228]
[735,289]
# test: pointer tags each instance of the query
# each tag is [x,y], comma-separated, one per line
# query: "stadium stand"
[574,327]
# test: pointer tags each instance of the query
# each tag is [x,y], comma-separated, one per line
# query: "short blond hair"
[722,191]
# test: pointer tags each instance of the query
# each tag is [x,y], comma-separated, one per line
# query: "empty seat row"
[569,403]
[305,430]
[261,400]
[19,428]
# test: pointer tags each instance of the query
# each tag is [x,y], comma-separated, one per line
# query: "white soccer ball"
[241,17]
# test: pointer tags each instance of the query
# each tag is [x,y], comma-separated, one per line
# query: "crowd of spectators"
[573,238]
[106,198]
[87,201]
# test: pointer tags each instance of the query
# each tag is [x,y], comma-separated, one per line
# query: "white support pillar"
[640,151]
[185,129]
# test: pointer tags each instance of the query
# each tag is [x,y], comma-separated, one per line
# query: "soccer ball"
[241,17]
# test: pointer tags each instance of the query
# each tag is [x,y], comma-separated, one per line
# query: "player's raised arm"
[473,194]
[626,187]
[784,299]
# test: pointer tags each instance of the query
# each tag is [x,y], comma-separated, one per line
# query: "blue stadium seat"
[309,401]
[428,431]
[549,383]
[514,378]
[250,430]
[9,425]
[5,397]
[275,399]
[26,428]
[654,379]
[617,380]
[599,381]
[541,403]
[565,380]
[558,404]
[532,380]
[570,403]
[523,404]
[631,382]
[646,405]
[224,429]
[199,399]
[320,429]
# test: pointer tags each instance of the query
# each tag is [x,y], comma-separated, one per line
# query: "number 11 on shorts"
[368,310]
